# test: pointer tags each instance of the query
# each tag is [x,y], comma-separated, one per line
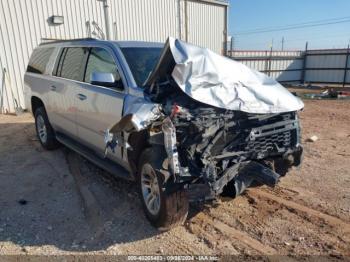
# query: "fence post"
[303,72]
[346,66]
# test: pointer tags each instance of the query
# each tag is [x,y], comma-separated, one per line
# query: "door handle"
[53,88]
[81,96]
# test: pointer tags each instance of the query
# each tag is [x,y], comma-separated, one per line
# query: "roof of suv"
[121,44]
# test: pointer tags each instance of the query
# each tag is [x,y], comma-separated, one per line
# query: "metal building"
[24,24]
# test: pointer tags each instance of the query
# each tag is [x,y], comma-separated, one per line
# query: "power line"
[298,39]
[314,34]
[240,42]
[304,23]
[316,38]
[296,26]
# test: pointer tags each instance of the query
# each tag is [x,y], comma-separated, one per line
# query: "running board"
[106,164]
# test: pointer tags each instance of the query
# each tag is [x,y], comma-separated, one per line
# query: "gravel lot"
[58,203]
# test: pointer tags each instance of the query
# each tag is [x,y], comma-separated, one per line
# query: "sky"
[247,15]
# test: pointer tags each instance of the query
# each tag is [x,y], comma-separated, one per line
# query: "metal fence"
[330,66]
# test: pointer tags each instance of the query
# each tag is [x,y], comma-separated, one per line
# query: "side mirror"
[103,79]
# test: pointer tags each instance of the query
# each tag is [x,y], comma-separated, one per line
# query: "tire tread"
[176,203]
[51,143]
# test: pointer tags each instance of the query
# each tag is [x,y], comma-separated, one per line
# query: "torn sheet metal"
[139,113]
[112,140]
[222,82]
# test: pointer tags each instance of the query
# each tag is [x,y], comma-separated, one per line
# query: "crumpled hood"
[220,81]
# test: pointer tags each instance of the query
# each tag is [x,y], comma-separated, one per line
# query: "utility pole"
[272,44]
[270,59]
[282,43]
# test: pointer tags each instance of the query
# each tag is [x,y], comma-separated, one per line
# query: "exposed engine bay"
[210,140]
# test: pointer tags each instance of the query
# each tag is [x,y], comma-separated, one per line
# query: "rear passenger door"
[69,72]
[99,107]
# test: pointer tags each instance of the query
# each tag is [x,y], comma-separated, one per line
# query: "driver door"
[99,107]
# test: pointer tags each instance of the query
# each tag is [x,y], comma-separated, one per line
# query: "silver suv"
[162,115]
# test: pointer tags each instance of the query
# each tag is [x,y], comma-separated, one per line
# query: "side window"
[39,60]
[72,64]
[58,63]
[100,61]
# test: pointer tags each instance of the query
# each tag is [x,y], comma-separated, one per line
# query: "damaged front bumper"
[214,149]
[243,175]
[262,155]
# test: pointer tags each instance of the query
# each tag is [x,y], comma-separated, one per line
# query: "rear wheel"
[44,130]
[163,209]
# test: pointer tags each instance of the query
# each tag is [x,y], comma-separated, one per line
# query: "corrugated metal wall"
[24,23]
[205,24]
[321,66]
[201,23]
[151,20]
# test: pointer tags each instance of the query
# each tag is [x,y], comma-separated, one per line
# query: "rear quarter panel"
[35,85]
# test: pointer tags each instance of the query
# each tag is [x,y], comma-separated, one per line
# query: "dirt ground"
[55,202]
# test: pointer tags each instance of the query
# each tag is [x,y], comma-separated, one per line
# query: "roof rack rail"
[55,40]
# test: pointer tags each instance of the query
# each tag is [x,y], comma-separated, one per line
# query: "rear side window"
[72,63]
[101,61]
[39,60]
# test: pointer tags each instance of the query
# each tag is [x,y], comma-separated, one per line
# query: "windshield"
[141,61]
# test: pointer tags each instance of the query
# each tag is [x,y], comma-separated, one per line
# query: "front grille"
[275,136]
[259,138]
[264,146]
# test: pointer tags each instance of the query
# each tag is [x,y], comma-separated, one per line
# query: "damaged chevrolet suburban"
[182,121]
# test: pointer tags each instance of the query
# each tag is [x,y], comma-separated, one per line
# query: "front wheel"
[163,209]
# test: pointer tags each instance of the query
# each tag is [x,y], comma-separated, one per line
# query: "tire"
[44,130]
[229,190]
[172,207]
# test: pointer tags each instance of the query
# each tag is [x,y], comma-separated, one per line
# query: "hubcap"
[150,189]
[41,127]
